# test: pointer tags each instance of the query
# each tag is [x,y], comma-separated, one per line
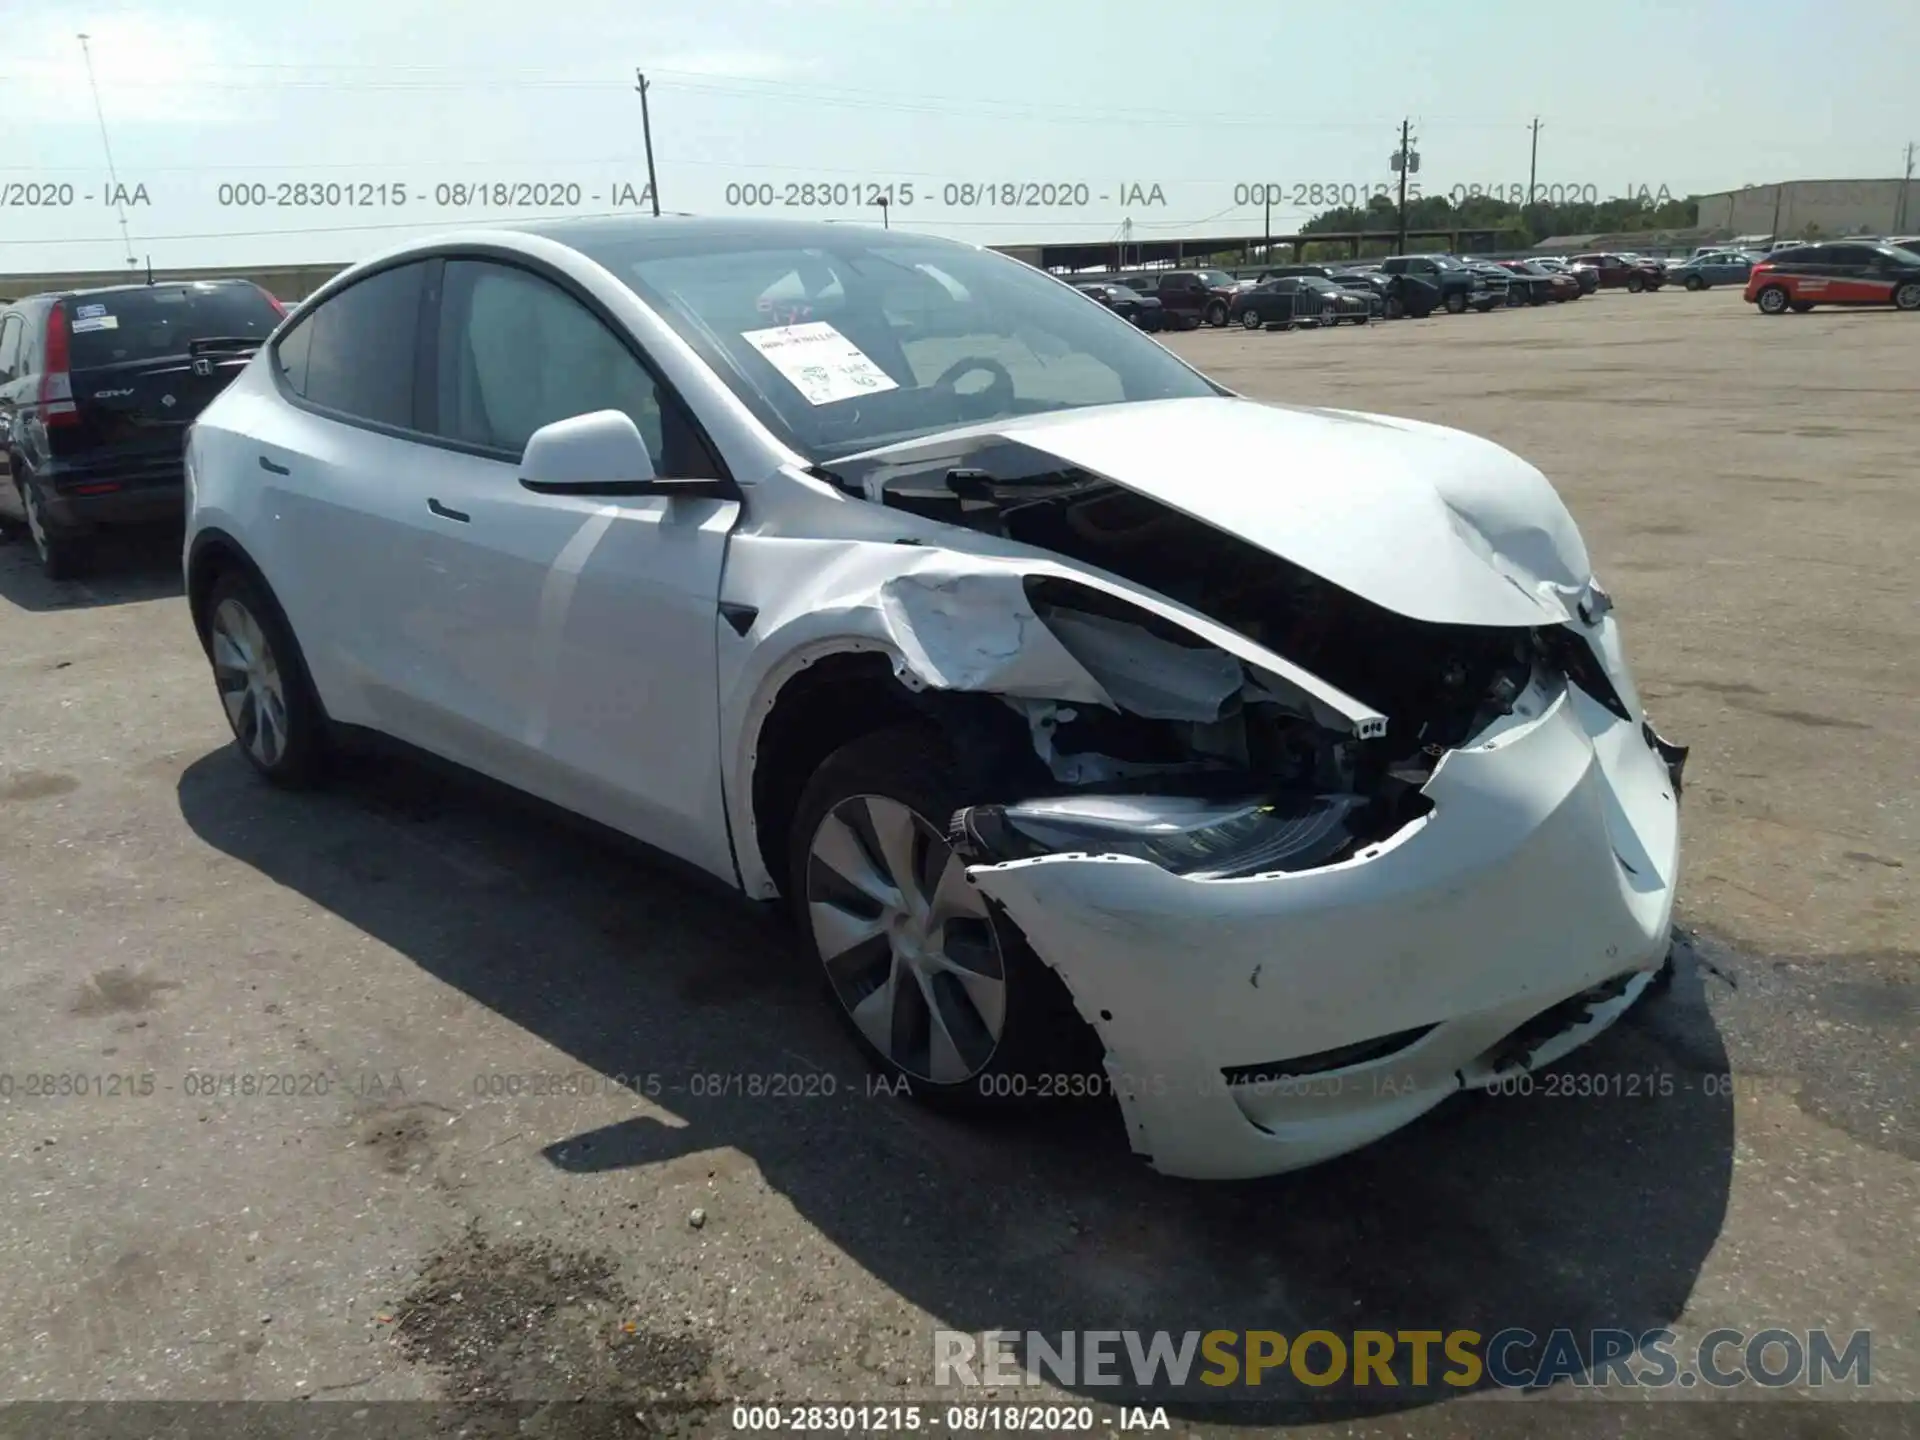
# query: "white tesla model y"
[1048,682]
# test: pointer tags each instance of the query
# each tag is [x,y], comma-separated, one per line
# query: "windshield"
[1218,279]
[843,345]
[1901,254]
[158,321]
[1446,262]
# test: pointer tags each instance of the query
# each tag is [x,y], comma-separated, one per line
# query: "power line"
[463,223]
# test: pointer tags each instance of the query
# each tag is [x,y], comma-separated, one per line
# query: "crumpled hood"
[1430,522]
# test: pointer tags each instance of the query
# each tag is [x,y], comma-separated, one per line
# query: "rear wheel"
[1456,303]
[1250,319]
[1216,314]
[62,556]
[1635,284]
[1694,282]
[1907,296]
[269,702]
[937,989]
[1773,300]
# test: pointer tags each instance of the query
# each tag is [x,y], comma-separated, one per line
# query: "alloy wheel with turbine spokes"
[248,676]
[908,943]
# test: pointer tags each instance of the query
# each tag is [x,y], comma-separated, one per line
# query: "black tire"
[1396,309]
[1250,319]
[62,555]
[1537,296]
[298,759]
[1216,314]
[1695,282]
[1042,1034]
[1635,284]
[1456,303]
[1907,296]
[1773,300]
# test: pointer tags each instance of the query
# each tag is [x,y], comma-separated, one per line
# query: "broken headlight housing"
[1191,836]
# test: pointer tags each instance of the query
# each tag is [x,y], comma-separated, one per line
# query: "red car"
[1839,272]
[1618,272]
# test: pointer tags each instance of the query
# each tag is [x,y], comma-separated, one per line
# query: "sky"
[244,133]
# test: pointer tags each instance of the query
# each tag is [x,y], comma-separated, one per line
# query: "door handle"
[268,465]
[445,514]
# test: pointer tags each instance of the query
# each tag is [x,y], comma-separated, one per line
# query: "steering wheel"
[995,399]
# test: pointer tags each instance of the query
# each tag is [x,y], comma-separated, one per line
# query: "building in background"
[1811,209]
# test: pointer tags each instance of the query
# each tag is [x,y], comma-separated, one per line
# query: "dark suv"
[1190,297]
[97,389]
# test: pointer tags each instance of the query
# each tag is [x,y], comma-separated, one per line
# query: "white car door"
[578,634]
[342,497]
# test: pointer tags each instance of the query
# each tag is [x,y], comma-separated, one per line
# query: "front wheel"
[1635,284]
[1396,309]
[1456,304]
[1907,296]
[1773,300]
[938,990]
[1216,314]
[1694,282]
[1250,319]
[270,704]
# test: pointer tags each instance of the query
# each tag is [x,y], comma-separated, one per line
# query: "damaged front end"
[1275,829]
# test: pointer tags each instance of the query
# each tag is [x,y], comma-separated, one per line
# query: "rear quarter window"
[161,321]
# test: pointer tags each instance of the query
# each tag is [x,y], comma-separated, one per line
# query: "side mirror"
[601,453]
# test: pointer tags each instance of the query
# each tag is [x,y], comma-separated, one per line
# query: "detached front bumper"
[1257,1025]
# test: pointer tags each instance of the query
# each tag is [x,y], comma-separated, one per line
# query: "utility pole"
[1906,184]
[1533,164]
[646,130]
[1266,249]
[1405,159]
[113,179]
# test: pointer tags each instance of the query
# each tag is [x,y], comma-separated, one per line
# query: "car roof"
[158,284]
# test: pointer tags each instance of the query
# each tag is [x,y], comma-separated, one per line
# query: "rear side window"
[359,349]
[11,329]
[158,322]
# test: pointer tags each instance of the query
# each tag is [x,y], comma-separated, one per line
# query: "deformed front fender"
[947,620]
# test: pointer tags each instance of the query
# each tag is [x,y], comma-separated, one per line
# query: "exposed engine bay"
[1244,778]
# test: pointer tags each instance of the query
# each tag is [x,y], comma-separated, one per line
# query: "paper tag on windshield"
[87,312]
[820,362]
[96,322]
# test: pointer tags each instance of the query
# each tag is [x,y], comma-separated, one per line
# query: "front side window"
[359,348]
[516,352]
[843,345]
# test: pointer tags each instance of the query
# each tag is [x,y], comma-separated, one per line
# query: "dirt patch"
[529,1321]
[120,992]
[36,785]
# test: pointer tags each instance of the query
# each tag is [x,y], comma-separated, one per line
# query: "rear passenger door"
[340,514]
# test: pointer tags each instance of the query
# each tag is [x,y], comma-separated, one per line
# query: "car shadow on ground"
[1590,1207]
[126,567]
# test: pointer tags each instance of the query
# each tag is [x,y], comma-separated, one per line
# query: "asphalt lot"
[406,943]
